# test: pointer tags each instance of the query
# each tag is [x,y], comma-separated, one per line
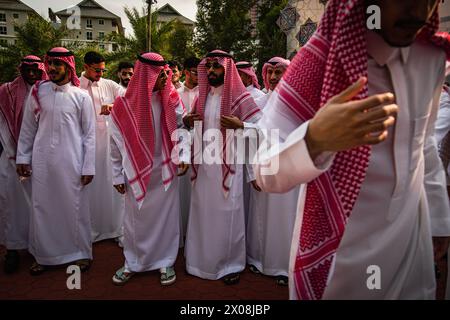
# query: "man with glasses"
[56,150]
[107,206]
[215,238]
[14,207]
[125,72]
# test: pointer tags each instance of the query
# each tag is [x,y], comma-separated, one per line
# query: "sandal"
[37,269]
[168,276]
[254,269]
[122,276]
[83,264]
[232,278]
[282,280]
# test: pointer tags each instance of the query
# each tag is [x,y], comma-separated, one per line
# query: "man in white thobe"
[215,239]
[106,205]
[271,216]
[386,251]
[57,150]
[15,205]
[145,170]
[188,92]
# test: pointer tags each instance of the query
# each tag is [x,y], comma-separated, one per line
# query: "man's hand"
[106,109]
[440,246]
[120,188]
[85,180]
[182,169]
[23,170]
[255,186]
[343,124]
[231,122]
[190,118]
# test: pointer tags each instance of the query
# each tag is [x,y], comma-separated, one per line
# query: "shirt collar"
[85,82]
[382,52]
[63,88]
[216,91]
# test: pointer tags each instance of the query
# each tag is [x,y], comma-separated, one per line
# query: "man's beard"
[125,82]
[215,82]
[60,78]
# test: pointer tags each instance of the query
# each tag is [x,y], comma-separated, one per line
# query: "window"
[3,30]
[15,15]
[101,36]
[101,22]
[89,35]
[88,23]
[101,46]
[114,47]
[2,17]
[3,42]
[16,29]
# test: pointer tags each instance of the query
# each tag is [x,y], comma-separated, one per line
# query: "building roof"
[91,9]
[167,13]
[15,5]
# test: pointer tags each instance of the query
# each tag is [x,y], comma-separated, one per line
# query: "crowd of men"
[360,177]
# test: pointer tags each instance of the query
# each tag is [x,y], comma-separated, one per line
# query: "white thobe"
[402,202]
[187,96]
[151,233]
[215,239]
[442,129]
[60,148]
[270,225]
[106,205]
[15,205]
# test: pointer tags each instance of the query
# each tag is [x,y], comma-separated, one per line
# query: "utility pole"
[149,22]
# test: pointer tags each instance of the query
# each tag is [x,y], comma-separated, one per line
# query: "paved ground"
[96,283]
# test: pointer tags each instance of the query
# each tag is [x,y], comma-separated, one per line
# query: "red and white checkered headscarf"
[275,62]
[12,99]
[334,58]
[132,115]
[248,69]
[64,55]
[236,100]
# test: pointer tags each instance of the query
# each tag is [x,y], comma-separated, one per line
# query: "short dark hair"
[191,62]
[93,57]
[173,63]
[125,65]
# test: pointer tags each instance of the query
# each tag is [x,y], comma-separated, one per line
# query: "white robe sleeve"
[184,140]
[88,136]
[435,180]
[116,160]
[28,132]
[284,166]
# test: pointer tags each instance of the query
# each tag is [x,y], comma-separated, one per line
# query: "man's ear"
[86,66]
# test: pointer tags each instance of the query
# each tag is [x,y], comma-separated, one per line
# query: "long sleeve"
[281,167]
[435,180]
[28,132]
[88,136]
[183,137]
[117,164]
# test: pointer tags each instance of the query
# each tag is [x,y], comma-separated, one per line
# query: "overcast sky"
[187,8]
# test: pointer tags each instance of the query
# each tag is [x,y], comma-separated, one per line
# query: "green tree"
[36,36]
[180,42]
[272,41]
[225,25]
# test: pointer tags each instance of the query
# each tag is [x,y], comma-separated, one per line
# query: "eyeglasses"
[98,70]
[214,65]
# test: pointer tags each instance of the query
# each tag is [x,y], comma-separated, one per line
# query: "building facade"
[89,24]
[168,13]
[12,12]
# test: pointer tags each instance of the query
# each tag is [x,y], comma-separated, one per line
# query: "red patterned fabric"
[250,71]
[334,58]
[12,100]
[236,100]
[275,62]
[132,115]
